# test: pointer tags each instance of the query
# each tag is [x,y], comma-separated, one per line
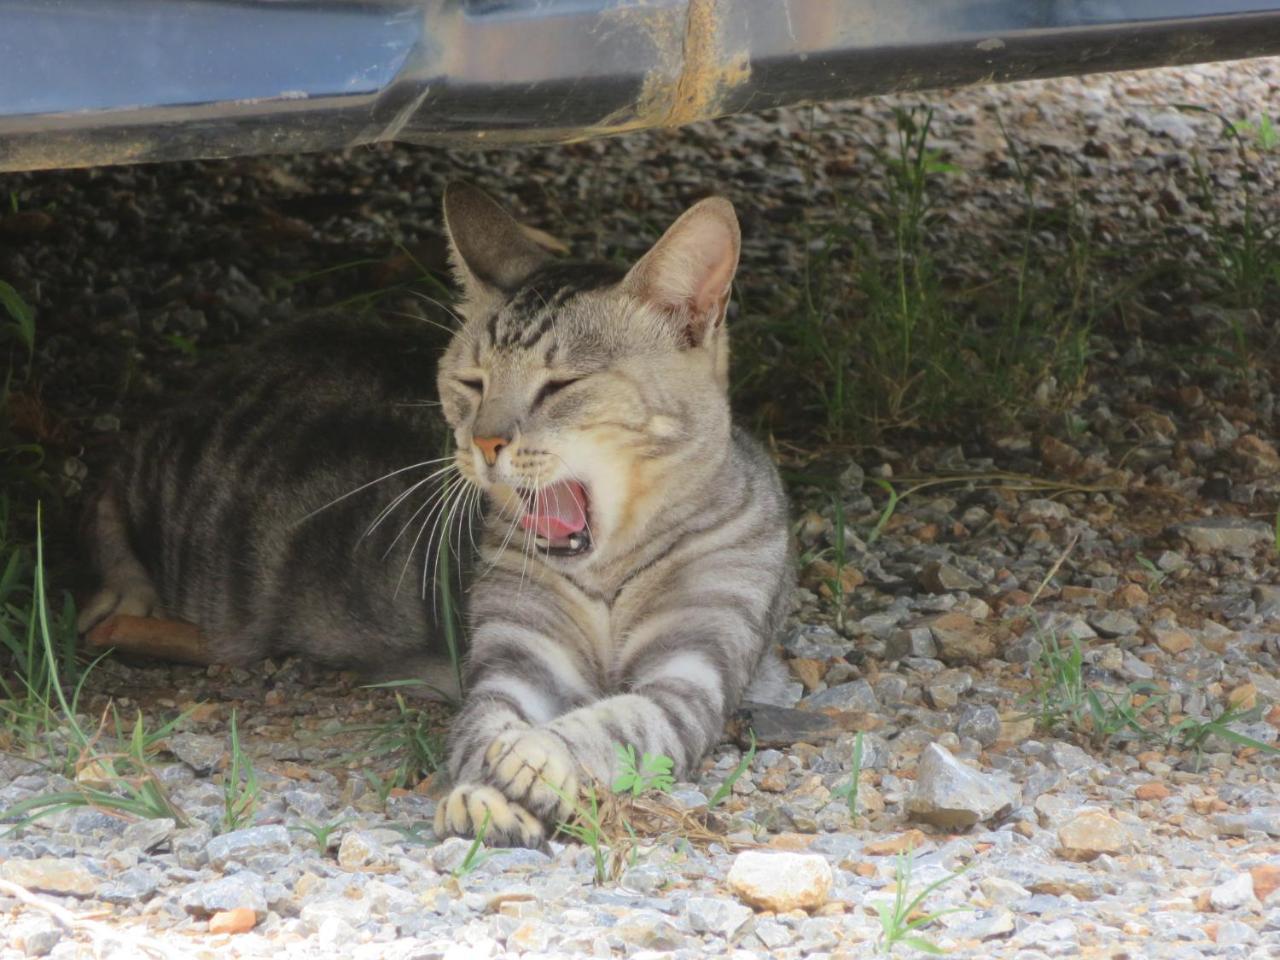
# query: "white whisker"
[366,486]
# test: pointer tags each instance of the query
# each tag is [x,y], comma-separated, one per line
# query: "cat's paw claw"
[535,769]
[139,600]
[464,811]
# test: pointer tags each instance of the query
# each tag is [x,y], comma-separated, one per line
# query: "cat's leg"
[512,776]
[125,586]
[504,760]
[681,673]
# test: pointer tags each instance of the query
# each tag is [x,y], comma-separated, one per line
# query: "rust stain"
[693,74]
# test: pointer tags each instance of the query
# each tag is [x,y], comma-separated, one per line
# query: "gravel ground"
[1145,539]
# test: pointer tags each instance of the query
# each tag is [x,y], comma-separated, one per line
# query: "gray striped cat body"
[633,567]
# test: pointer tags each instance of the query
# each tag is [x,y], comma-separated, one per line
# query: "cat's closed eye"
[472,383]
[552,387]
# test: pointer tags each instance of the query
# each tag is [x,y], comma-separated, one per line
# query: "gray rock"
[35,935]
[202,753]
[1263,820]
[1266,597]
[1235,933]
[64,876]
[242,846]
[1113,623]
[982,723]
[783,727]
[1234,893]
[944,578]
[949,794]
[724,918]
[854,696]
[910,642]
[646,878]
[189,845]
[243,889]
[1230,534]
[360,848]
[945,689]
[1041,510]
[146,835]
[131,886]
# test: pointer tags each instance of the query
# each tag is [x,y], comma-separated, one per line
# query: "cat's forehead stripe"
[530,313]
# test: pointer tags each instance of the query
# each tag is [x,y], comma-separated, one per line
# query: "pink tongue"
[557,510]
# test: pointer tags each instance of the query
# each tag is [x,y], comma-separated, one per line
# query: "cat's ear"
[688,273]
[491,252]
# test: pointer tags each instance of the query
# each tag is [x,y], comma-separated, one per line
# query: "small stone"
[961,639]
[1266,597]
[1256,455]
[781,881]
[35,936]
[888,846]
[982,723]
[951,795]
[1152,791]
[1266,880]
[1263,819]
[1089,834]
[239,920]
[1230,534]
[914,641]
[1232,894]
[146,835]
[57,875]
[944,578]
[359,848]
[1048,512]
[202,753]
[243,889]
[1002,891]
[724,918]
[1113,623]
[944,690]
[240,846]
[784,726]
[1130,595]
[335,932]
[1174,641]
[856,696]
[808,671]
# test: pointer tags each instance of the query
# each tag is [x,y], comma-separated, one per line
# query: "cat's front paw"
[136,599]
[535,769]
[471,809]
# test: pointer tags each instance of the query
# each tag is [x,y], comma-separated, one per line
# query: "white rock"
[781,881]
[1233,894]
[949,794]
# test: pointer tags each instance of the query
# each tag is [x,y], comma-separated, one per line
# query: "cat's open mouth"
[557,514]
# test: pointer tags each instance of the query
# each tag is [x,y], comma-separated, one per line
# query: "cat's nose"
[490,447]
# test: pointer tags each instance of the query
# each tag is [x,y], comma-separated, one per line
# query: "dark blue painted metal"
[104,81]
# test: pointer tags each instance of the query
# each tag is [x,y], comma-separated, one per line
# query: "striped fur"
[247,509]
[653,636]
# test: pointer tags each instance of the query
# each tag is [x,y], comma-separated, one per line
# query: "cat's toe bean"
[472,808]
[535,768]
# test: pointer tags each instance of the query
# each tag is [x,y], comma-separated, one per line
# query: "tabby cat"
[632,566]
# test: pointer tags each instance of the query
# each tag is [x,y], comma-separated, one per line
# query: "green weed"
[587,827]
[897,924]
[1155,576]
[726,788]
[411,738]
[652,772]
[849,792]
[320,832]
[1192,734]
[239,786]
[477,854]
